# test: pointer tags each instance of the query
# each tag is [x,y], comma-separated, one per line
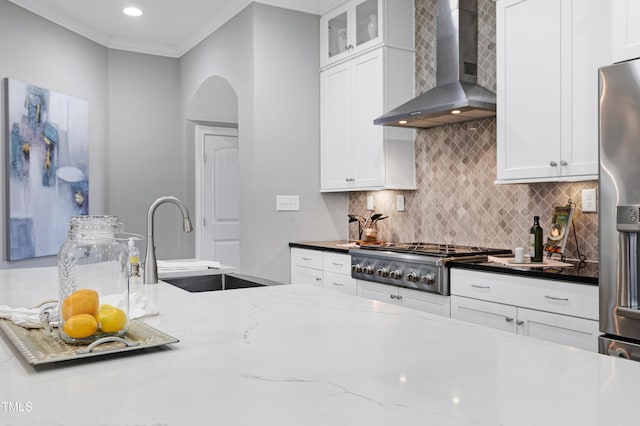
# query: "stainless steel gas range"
[419,266]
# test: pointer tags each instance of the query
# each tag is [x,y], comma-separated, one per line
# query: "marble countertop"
[300,355]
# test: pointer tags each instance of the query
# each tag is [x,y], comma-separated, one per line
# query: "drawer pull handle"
[337,264]
[564,299]
[508,319]
[306,259]
[338,284]
[485,287]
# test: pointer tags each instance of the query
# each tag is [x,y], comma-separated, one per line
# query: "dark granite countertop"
[585,274]
[339,246]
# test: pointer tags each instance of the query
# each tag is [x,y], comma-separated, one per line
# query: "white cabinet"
[358,25]
[419,300]
[547,84]
[556,311]
[625,16]
[322,269]
[306,267]
[355,153]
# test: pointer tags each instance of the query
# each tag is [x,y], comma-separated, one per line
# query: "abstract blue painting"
[48,167]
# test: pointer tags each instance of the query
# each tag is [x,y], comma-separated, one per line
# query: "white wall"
[39,52]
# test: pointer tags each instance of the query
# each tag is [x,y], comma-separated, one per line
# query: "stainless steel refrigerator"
[619,210]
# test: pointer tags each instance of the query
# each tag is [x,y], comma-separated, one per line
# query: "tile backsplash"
[457,200]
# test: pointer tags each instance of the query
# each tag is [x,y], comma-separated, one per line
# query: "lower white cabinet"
[556,311]
[419,300]
[322,269]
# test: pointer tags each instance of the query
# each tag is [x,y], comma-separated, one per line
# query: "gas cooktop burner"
[434,249]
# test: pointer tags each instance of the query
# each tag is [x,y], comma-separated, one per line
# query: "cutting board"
[546,262]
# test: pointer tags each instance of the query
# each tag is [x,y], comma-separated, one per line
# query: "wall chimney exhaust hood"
[457,97]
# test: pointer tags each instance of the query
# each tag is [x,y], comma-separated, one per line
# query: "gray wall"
[38,52]
[270,56]
[142,109]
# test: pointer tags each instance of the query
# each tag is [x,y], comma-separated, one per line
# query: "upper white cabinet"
[355,153]
[547,81]
[358,25]
[626,31]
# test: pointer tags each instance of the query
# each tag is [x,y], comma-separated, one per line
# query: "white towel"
[139,306]
[187,265]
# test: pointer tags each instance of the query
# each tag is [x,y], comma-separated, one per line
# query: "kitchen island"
[300,355]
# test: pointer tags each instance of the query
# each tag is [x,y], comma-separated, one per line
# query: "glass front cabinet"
[350,28]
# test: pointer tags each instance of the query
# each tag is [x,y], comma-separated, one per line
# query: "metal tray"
[39,347]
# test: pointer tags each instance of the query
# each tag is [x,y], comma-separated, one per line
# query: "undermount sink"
[200,283]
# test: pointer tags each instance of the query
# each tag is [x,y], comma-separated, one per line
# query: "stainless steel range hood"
[457,97]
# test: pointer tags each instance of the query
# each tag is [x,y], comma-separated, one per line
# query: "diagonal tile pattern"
[457,200]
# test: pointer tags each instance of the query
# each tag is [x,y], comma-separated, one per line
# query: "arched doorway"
[214,113]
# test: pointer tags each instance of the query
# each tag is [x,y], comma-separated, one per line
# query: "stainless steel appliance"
[420,266]
[619,188]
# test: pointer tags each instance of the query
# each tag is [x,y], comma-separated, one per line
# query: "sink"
[200,283]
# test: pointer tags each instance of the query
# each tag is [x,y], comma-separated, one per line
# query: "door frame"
[200,132]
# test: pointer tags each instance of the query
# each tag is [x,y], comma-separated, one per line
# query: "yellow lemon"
[80,326]
[83,301]
[111,319]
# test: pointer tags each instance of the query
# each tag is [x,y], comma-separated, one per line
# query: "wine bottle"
[535,240]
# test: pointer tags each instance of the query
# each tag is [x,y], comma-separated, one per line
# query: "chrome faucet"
[150,262]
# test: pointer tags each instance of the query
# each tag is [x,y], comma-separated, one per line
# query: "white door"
[220,199]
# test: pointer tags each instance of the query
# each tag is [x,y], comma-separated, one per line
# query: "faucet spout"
[150,261]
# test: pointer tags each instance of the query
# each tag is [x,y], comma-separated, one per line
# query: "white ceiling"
[167,27]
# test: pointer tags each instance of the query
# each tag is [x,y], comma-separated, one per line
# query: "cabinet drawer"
[494,315]
[339,282]
[306,258]
[337,262]
[565,298]
[301,275]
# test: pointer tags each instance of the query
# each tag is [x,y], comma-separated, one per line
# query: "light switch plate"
[589,200]
[287,203]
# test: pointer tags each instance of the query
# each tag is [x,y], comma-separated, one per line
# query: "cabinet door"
[626,31]
[368,156]
[590,44]
[367,22]
[337,262]
[335,35]
[529,84]
[300,275]
[336,124]
[494,315]
[425,302]
[577,332]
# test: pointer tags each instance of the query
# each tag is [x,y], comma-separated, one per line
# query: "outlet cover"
[589,200]
[287,203]
[369,202]
[400,203]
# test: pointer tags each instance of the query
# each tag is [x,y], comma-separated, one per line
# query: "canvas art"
[48,167]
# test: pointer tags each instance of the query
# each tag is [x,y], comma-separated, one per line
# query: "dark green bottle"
[535,240]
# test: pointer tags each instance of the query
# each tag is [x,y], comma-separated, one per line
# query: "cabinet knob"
[553,164]
[350,179]
[508,319]
[519,322]
[393,296]
[563,163]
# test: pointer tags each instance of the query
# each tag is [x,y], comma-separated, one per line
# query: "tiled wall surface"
[457,200]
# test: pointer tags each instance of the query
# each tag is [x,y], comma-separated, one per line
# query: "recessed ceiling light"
[132,11]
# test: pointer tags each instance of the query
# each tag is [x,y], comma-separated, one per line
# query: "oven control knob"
[427,279]
[356,268]
[382,272]
[395,274]
[413,277]
[367,270]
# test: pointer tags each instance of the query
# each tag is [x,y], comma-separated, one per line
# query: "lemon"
[80,326]
[111,319]
[83,301]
